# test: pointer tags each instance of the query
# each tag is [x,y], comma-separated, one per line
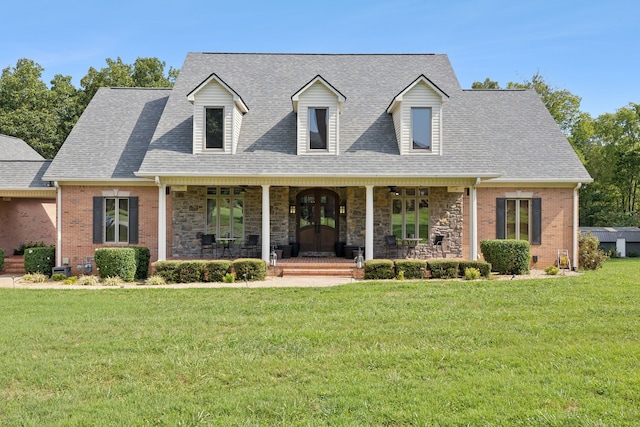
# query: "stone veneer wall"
[445,210]
[445,219]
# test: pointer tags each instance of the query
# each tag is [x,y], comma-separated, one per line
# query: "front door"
[317,220]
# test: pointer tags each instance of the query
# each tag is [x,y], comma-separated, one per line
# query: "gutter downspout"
[162,220]
[58,223]
[576,224]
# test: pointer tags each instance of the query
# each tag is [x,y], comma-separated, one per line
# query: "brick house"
[27,202]
[319,151]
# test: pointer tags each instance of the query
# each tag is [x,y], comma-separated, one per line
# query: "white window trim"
[231,197]
[416,198]
[308,136]
[116,220]
[517,208]
[412,148]
[204,129]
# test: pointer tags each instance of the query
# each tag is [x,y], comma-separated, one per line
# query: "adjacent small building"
[624,240]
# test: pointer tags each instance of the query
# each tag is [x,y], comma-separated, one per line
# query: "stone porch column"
[266,223]
[368,241]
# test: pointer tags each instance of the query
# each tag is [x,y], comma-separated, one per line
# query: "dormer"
[217,116]
[318,106]
[417,117]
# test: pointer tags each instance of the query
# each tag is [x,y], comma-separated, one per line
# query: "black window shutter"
[501,215]
[97,220]
[536,221]
[133,220]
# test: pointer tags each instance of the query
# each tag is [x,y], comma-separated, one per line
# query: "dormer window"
[318,106]
[417,118]
[421,128]
[318,128]
[217,117]
[214,124]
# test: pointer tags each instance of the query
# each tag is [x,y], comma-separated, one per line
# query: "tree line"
[609,145]
[43,116]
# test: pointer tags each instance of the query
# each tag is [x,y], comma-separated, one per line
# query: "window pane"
[110,220]
[225,217]
[212,216]
[421,128]
[396,218]
[238,218]
[511,219]
[318,119]
[410,218]
[524,220]
[123,221]
[214,128]
[307,214]
[423,218]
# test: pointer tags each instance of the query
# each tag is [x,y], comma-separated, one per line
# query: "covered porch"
[323,218]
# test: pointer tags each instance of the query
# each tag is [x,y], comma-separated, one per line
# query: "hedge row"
[1,259]
[211,271]
[507,256]
[416,269]
[40,260]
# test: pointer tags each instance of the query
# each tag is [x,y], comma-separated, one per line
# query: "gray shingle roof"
[12,148]
[21,167]
[23,174]
[111,138]
[485,132]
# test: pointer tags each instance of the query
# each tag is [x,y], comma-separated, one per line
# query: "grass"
[552,352]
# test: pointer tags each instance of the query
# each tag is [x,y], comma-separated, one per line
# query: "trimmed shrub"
[112,262]
[250,269]
[215,271]
[590,256]
[379,269]
[229,278]
[411,268]
[25,246]
[191,271]
[168,270]
[441,269]
[58,277]
[483,267]
[507,256]
[40,259]
[143,255]
[1,259]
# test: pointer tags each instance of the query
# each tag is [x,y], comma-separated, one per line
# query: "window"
[519,219]
[214,128]
[410,213]
[115,220]
[225,211]
[318,125]
[421,128]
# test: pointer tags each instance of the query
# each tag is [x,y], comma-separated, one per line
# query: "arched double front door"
[317,220]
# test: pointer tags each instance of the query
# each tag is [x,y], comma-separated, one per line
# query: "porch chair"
[391,243]
[250,247]
[437,241]
[208,243]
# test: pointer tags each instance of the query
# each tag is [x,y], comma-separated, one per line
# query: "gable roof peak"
[237,99]
[318,79]
[421,78]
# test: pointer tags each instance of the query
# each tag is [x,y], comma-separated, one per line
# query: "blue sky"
[588,47]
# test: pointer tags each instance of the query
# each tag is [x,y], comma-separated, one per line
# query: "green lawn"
[552,352]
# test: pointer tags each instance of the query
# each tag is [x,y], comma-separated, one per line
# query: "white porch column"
[473,226]
[368,241]
[162,220]
[266,223]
